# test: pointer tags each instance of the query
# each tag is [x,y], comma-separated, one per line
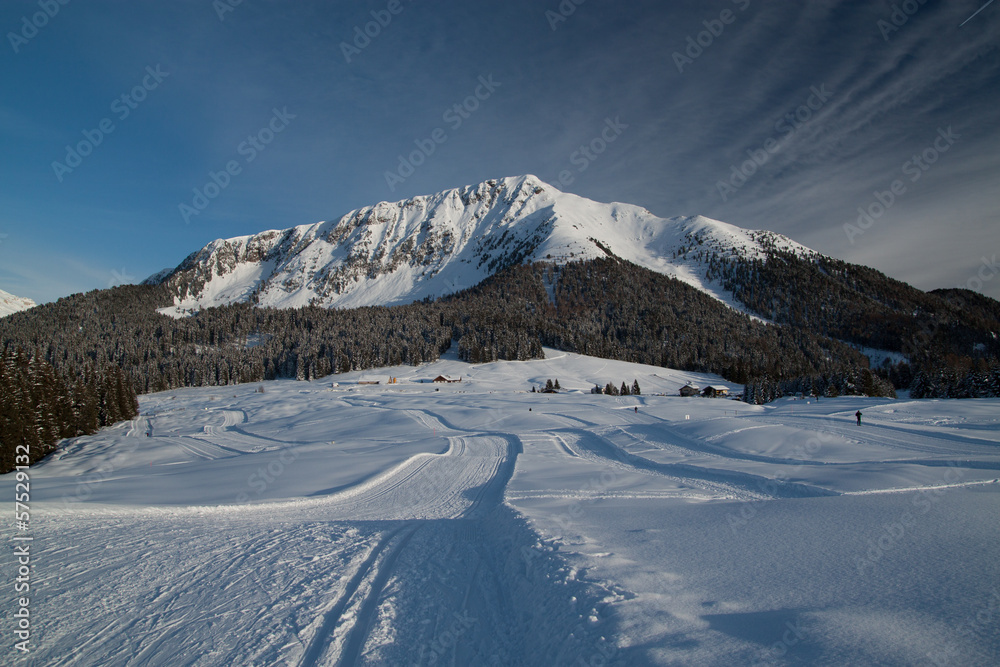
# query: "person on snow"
[858,415]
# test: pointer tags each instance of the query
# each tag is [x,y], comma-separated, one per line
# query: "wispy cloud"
[686,130]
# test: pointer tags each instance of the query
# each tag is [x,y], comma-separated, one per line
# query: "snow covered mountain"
[429,246]
[10,304]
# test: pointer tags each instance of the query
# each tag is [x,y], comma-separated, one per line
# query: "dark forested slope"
[76,364]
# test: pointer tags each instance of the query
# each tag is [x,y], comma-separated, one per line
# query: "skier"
[637,410]
[858,415]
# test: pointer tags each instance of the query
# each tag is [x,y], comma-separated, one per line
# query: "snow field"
[448,524]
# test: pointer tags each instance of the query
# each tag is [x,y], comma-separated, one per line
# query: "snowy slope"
[334,523]
[401,252]
[11,304]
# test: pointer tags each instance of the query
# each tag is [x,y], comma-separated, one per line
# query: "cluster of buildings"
[380,379]
[711,391]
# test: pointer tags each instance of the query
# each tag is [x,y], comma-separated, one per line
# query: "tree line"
[95,342]
[947,336]
[40,405]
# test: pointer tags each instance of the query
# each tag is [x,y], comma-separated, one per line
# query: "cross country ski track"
[422,559]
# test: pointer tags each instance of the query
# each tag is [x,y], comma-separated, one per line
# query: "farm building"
[447,378]
[690,390]
[716,391]
[378,379]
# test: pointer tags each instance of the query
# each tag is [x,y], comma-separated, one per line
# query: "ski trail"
[571,421]
[322,639]
[188,445]
[563,446]
[899,437]
[491,493]
[360,630]
[909,489]
[206,449]
[726,481]
[431,486]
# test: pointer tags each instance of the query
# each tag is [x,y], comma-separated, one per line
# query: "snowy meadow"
[476,522]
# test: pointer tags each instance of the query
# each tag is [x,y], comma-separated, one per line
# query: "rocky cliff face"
[434,245]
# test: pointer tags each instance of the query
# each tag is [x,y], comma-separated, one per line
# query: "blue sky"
[845,105]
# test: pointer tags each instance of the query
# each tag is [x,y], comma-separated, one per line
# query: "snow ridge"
[430,246]
[10,304]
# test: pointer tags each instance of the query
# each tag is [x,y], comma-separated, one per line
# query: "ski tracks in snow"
[351,639]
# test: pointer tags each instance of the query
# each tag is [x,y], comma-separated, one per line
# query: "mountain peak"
[10,304]
[433,245]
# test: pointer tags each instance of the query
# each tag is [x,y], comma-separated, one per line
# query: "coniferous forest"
[75,365]
[40,405]
[947,338]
